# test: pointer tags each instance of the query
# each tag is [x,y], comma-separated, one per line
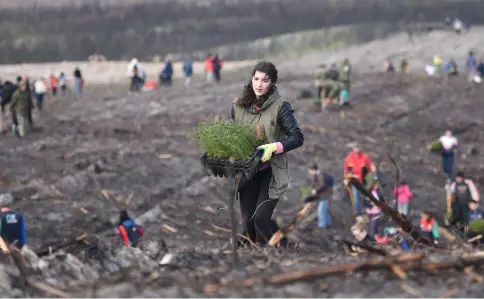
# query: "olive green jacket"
[21,102]
[267,119]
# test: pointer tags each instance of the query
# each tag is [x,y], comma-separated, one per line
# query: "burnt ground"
[135,147]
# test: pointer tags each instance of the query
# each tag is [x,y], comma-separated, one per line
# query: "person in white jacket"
[40,88]
[137,74]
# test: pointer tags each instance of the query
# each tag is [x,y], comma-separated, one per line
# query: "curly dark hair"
[123,215]
[248,97]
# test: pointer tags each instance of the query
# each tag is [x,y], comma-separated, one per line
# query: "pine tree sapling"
[226,140]
[436,146]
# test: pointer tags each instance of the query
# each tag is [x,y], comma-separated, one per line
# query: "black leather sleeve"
[288,123]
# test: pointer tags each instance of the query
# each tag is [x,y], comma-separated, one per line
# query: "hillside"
[419,53]
[109,151]
[292,60]
[56,33]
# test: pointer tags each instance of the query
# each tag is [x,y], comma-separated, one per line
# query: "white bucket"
[430,70]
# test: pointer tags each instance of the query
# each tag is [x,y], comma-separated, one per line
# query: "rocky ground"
[90,158]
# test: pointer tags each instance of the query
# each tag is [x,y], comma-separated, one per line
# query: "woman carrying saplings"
[262,107]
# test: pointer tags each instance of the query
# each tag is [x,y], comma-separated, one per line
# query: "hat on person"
[355,144]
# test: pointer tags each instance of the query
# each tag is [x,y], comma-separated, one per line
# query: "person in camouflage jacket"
[20,107]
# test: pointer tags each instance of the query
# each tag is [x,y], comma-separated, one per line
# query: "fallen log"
[476,238]
[407,261]
[309,203]
[52,249]
[280,234]
[26,271]
[357,247]
[446,234]
[318,272]
[397,177]
[374,263]
[404,223]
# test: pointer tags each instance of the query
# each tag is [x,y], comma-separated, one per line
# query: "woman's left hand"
[268,149]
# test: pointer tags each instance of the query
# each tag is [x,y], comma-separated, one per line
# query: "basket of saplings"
[436,147]
[229,149]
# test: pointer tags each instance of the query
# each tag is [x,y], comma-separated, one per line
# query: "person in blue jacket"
[166,73]
[12,227]
[471,65]
[188,71]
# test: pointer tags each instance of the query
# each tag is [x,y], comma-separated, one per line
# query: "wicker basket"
[226,168]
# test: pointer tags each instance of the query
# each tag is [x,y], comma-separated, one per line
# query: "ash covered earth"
[90,158]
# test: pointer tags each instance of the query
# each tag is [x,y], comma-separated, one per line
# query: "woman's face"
[260,83]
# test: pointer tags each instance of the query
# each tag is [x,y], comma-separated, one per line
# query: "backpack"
[132,233]
[329,180]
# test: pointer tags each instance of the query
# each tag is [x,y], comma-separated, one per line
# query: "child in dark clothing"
[12,227]
[321,184]
[128,230]
[474,212]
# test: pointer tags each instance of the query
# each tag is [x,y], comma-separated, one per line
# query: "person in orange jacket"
[358,164]
[210,68]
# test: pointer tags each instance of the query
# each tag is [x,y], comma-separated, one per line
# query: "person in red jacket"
[210,68]
[358,164]
[53,82]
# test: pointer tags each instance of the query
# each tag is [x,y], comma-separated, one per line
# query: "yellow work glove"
[268,149]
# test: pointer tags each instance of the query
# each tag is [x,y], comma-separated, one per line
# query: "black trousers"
[217,75]
[257,208]
[136,83]
[29,113]
[460,211]
[40,101]
[165,81]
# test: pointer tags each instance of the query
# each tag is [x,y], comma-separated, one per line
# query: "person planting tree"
[262,107]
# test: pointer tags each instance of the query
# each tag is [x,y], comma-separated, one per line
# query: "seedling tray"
[227,168]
